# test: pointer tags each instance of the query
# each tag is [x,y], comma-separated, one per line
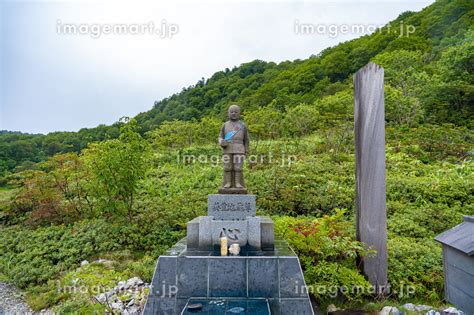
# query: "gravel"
[12,301]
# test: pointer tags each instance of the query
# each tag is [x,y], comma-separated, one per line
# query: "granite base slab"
[182,274]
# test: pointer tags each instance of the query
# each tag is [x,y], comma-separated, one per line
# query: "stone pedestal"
[231,207]
[256,232]
[183,276]
[233,216]
[266,273]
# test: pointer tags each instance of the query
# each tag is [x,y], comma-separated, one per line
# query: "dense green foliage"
[429,74]
[429,189]
[20,151]
[126,191]
[328,254]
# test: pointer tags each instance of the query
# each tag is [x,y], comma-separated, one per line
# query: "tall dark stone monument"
[371,217]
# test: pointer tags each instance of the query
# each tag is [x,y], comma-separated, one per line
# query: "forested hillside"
[125,192]
[429,76]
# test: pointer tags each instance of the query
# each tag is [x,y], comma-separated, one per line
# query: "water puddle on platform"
[227,307]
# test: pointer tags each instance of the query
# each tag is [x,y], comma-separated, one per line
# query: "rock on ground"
[127,297]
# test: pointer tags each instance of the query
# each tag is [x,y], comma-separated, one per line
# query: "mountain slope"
[435,70]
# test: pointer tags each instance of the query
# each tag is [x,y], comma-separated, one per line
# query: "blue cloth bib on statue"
[231,134]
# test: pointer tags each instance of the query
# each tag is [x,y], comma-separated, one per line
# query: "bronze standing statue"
[234,140]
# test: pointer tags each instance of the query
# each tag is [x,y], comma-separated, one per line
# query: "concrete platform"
[183,274]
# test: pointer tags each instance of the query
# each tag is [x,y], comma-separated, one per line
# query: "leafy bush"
[328,250]
[35,256]
[31,257]
[415,263]
[116,167]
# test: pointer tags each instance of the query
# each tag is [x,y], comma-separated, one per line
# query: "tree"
[401,109]
[264,123]
[336,65]
[337,107]
[72,179]
[402,69]
[116,168]
[456,67]
[38,197]
[301,120]
[208,130]
[175,134]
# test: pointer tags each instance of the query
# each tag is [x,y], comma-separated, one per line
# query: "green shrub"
[429,188]
[415,263]
[328,250]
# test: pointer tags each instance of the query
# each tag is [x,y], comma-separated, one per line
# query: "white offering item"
[234,249]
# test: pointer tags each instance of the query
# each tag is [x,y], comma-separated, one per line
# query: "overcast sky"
[52,81]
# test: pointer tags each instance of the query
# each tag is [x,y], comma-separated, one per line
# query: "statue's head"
[234,112]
